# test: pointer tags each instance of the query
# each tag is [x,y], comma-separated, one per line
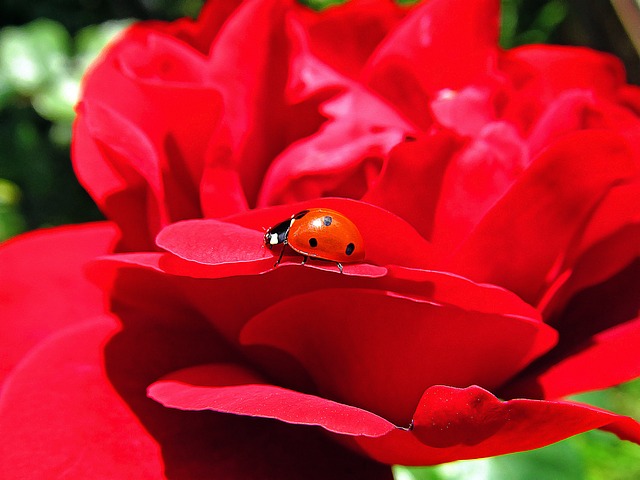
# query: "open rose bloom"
[497,194]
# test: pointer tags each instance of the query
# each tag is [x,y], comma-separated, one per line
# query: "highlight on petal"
[476,178]
[363,346]
[463,423]
[235,389]
[429,52]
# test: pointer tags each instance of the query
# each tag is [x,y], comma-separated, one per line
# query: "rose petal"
[466,111]
[610,357]
[345,35]
[62,388]
[566,182]
[239,250]
[362,347]
[475,179]
[453,424]
[252,81]
[448,288]
[599,321]
[163,332]
[102,181]
[609,243]
[344,157]
[409,184]
[201,33]
[541,74]
[213,242]
[237,390]
[449,57]
[388,239]
[42,285]
[121,165]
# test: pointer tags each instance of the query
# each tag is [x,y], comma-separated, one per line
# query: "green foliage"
[526,22]
[11,222]
[41,67]
[560,461]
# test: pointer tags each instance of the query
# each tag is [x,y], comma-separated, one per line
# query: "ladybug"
[318,233]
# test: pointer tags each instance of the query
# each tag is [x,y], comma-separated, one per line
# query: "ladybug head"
[270,239]
[278,233]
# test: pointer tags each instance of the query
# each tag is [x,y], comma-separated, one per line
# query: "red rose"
[496,193]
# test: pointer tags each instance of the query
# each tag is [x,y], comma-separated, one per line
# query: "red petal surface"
[598,341]
[610,358]
[238,390]
[42,285]
[252,81]
[540,74]
[344,157]
[199,34]
[609,243]
[92,433]
[475,179]
[164,332]
[363,347]
[449,56]
[227,249]
[448,288]
[122,165]
[466,111]
[60,417]
[542,212]
[452,424]
[345,35]
[409,184]
[405,246]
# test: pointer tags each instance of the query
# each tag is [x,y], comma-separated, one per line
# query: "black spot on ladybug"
[301,214]
[350,248]
[327,220]
[313,242]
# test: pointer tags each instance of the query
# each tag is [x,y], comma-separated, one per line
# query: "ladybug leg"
[339,266]
[304,259]
[280,257]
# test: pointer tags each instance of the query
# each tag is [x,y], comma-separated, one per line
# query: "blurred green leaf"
[33,54]
[56,102]
[321,4]
[11,220]
[561,460]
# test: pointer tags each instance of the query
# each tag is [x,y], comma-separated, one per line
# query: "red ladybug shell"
[319,233]
[326,234]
